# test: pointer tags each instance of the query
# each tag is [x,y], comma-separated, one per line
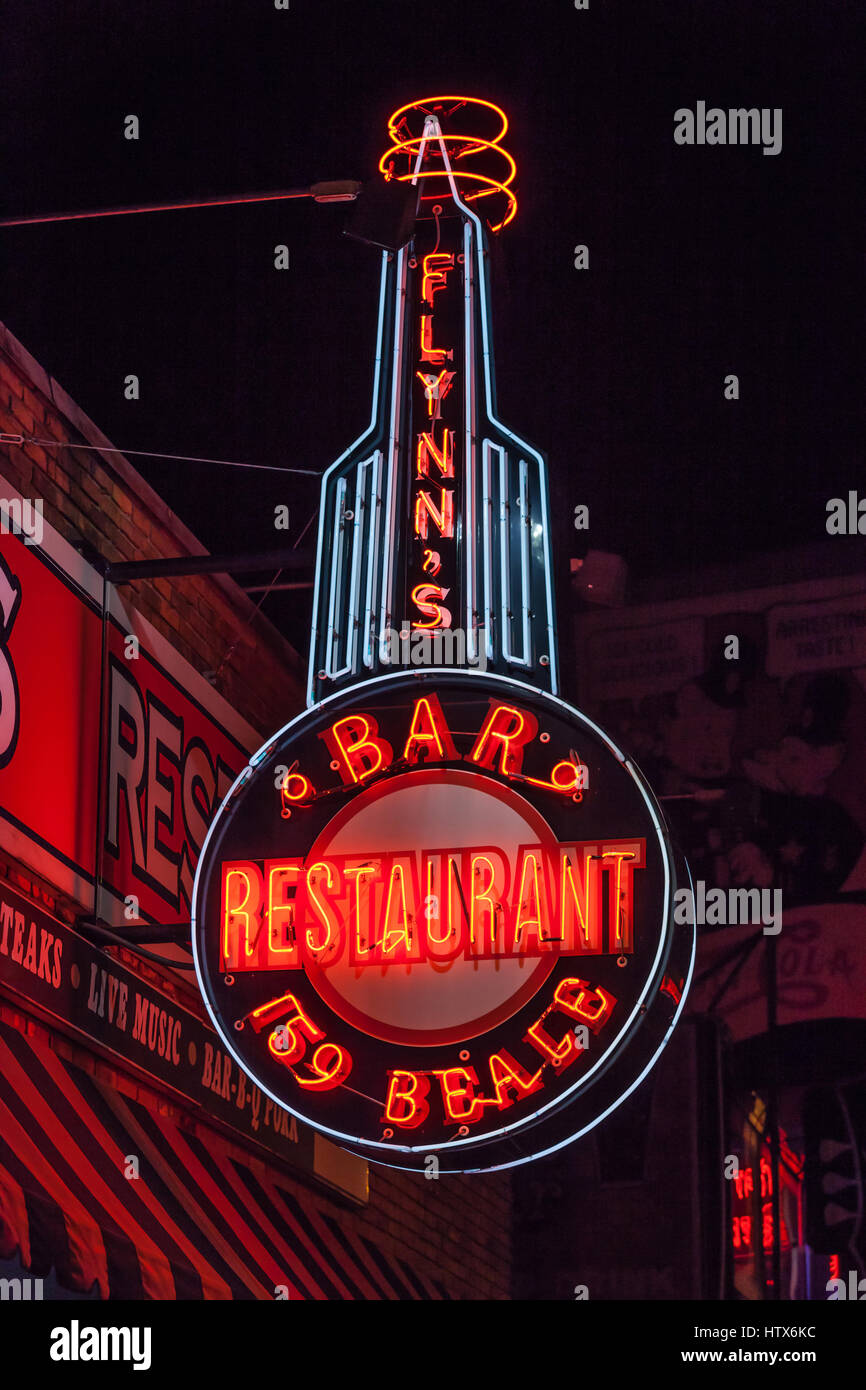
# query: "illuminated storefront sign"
[743,1220]
[173,745]
[435,480]
[434,916]
[752,1233]
[436,518]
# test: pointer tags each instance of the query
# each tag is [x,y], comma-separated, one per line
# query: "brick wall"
[99,500]
[458,1223]
[458,1228]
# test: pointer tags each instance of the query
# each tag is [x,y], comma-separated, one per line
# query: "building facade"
[135,1158]
[741,694]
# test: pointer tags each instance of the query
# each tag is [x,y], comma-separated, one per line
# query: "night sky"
[703,261]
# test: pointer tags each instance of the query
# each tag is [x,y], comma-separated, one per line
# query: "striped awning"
[203,1219]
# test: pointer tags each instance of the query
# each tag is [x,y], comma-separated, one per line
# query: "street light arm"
[339,191]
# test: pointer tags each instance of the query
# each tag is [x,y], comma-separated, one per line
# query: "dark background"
[703,261]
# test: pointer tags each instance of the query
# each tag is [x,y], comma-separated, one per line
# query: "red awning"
[204,1219]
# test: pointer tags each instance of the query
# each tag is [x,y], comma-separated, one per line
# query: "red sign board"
[172,745]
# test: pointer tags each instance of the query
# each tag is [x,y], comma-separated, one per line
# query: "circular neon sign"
[434,916]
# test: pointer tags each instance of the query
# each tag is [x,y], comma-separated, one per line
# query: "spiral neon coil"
[473,157]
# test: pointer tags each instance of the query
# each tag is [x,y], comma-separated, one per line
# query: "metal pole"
[276,588]
[337,191]
[773,1112]
[248,562]
[100,747]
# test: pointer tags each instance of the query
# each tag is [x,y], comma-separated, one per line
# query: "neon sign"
[436,518]
[540,904]
[459,941]
[752,1204]
[434,915]
[438,403]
